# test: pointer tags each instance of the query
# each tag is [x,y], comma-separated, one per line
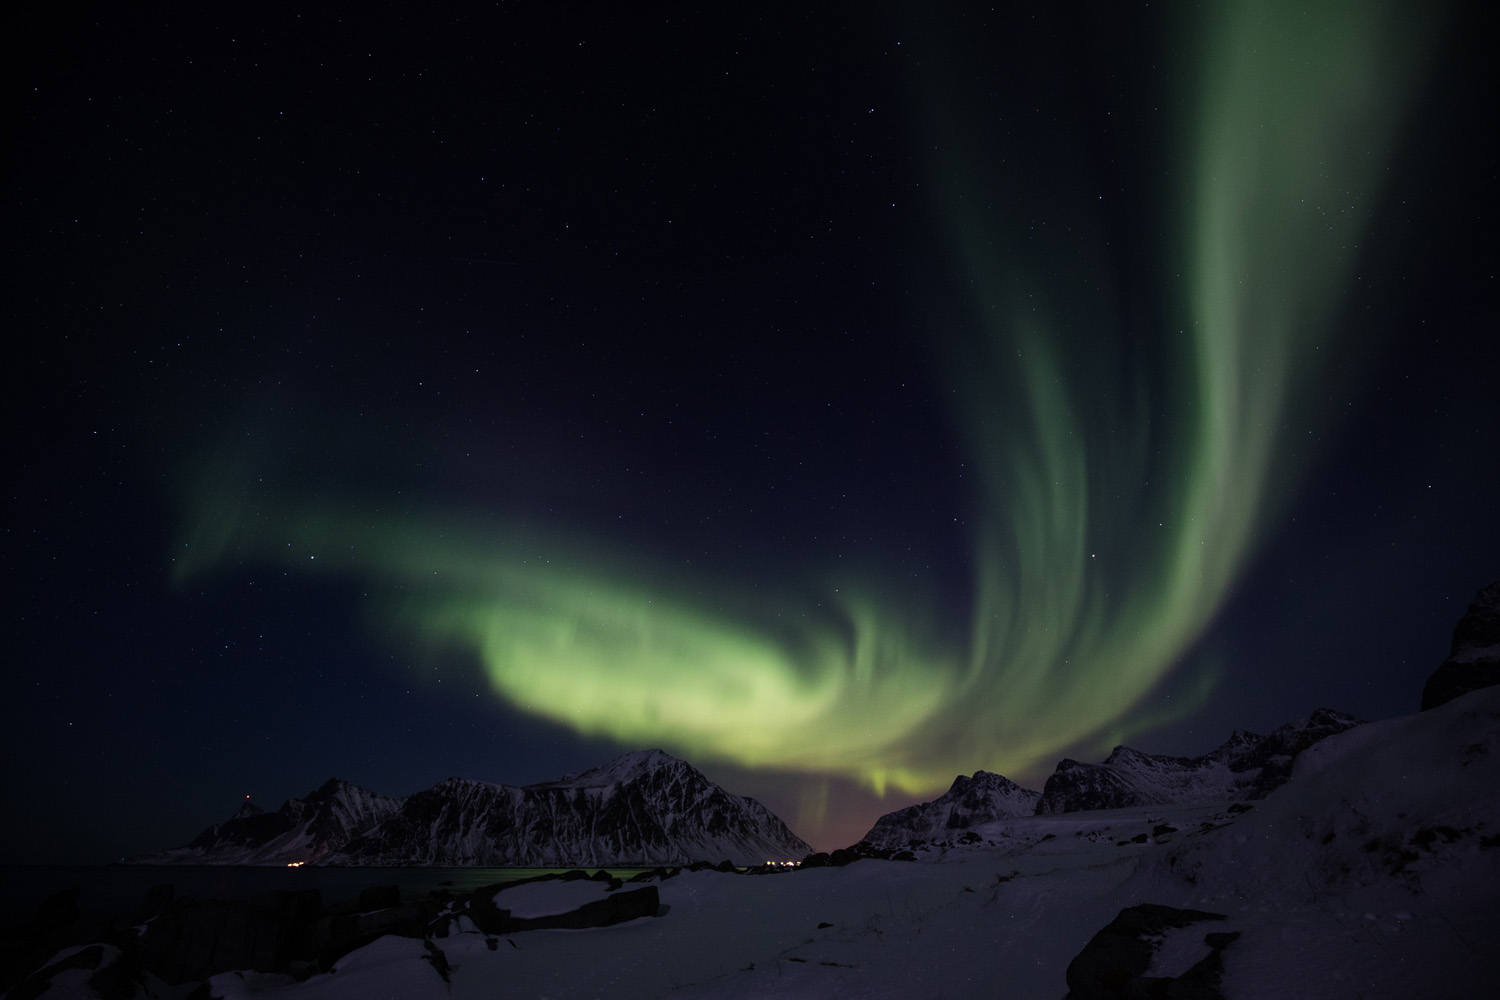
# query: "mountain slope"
[1245,766]
[645,807]
[983,798]
[1474,659]
[304,829]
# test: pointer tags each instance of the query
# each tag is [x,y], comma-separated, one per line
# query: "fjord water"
[120,889]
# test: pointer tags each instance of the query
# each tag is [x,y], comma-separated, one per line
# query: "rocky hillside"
[644,808]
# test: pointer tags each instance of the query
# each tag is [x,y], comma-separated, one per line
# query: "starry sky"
[840,399]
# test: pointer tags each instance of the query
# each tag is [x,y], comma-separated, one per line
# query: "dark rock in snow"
[485,906]
[57,924]
[39,983]
[1113,965]
[615,908]
[341,931]
[1474,659]
[284,933]
[194,940]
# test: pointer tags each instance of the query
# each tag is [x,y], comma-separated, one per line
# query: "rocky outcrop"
[1245,766]
[486,909]
[291,934]
[1275,754]
[1474,659]
[193,940]
[982,798]
[1113,965]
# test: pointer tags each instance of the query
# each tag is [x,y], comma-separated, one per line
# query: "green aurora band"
[1116,513]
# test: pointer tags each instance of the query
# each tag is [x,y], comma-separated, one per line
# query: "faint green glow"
[1119,501]
[621,650]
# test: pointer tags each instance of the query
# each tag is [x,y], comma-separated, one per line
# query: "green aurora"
[1120,497]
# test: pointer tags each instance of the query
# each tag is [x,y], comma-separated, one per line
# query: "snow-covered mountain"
[1374,872]
[304,829]
[1474,659]
[645,807]
[1245,766]
[983,798]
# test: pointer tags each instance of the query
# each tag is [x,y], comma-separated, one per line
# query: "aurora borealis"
[1063,644]
[928,411]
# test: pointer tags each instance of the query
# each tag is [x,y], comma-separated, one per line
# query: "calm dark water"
[119,889]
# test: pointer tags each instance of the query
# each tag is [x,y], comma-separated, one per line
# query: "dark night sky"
[839,400]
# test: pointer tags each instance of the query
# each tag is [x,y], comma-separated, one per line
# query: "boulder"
[1113,965]
[194,940]
[613,908]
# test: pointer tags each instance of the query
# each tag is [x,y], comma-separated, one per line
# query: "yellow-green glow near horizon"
[1106,541]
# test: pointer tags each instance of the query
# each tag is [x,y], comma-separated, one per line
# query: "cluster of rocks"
[171,941]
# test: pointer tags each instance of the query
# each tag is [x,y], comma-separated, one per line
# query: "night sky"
[839,400]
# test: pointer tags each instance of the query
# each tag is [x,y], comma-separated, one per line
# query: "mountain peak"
[1244,766]
[624,768]
[643,807]
[247,808]
[969,801]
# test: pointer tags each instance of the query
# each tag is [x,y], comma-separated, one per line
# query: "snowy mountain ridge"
[302,829]
[1246,766]
[983,798]
[643,808]
[1374,872]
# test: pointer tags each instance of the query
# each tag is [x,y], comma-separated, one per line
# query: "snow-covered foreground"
[1375,872]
